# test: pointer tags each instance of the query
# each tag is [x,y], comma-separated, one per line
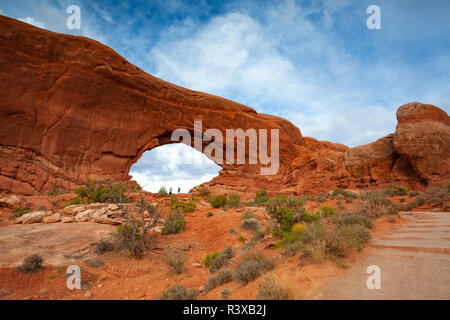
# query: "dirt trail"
[414,261]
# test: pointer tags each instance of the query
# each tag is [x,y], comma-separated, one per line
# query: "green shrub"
[179,292]
[174,258]
[224,276]
[208,258]
[163,192]
[174,223]
[252,263]
[18,212]
[219,201]
[221,260]
[352,218]
[304,216]
[247,214]
[204,192]
[261,197]
[327,211]
[345,237]
[74,201]
[413,193]
[31,264]
[252,224]
[234,201]
[342,192]
[109,193]
[186,207]
[399,191]
[322,197]
[129,239]
[54,191]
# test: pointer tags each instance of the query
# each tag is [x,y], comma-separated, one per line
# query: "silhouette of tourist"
[170,190]
[179,190]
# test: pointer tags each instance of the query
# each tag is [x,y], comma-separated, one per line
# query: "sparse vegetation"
[222,259]
[204,192]
[174,223]
[209,214]
[376,204]
[222,277]
[252,263]
[104,246]
[18,212]
[185,207]
[322,197]
[234,201]
[103,193]
[261,197]
[225,294]
[354,218]
[219,201]
[273,288]
[179,292]
[162,192]
[133,236]
[208,258]
[174,258]
[54,191]
[31,264]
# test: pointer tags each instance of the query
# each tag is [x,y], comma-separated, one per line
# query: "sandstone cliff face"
[72,108]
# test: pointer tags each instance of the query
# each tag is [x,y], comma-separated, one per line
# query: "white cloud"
[34,22]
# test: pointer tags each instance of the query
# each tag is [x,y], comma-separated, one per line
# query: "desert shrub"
[340,193]
[104,246]
[252,263]
[18,212]
[247,214]
[273,288]
[174,258]
[327,211]
[402,200]
[376,203]
[322,197]
[221,260]
[54,191]
[104,193]
[174,223]
[345,237]
[250,224]
[74,201]
[304,216]
[436,196]
[234,201]
[222,277]
[179,292]
[204,192]
[261,197]
[340,205]
[398,191]
[209,214]
[133,236]
[219,201]
[162,192]
[31,264]
[241,238]
[413,193]
[225,293]
[352,218]
[183,206]
[299,228]
[208,258]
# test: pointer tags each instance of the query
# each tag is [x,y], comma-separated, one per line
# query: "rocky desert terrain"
[79,116]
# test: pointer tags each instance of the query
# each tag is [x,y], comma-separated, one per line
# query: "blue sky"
[312,62]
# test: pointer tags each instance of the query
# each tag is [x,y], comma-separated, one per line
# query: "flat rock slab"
[58,243]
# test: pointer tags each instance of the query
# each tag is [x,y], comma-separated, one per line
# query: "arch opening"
[175,165]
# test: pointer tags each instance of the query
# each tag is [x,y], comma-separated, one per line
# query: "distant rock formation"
[73,108]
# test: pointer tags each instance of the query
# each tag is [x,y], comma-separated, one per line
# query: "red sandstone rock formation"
[73,108]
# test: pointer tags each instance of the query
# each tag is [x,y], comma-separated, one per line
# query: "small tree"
[133,236]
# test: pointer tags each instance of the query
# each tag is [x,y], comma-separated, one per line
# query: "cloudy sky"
[313,62]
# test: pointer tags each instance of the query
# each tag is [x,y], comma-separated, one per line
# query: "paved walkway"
[414,262]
